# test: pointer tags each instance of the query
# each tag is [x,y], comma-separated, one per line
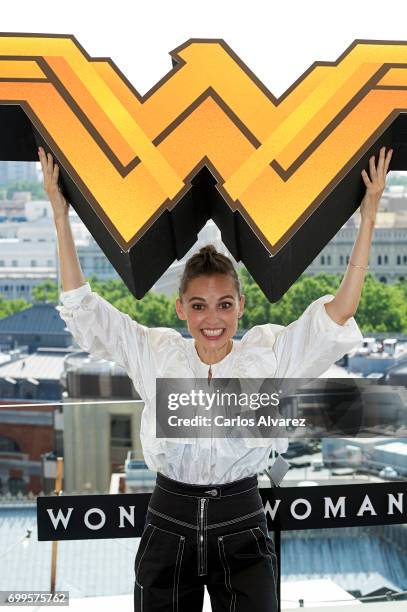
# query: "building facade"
[14,171]
[101,422]
[26,433]
[388,253]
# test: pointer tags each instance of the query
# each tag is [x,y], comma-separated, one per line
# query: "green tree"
[382,307]
[9,307]
[309,288]
[154,310]
[259,310]
[46,291]
[36,189]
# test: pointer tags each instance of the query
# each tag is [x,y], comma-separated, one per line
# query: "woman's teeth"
[212,332]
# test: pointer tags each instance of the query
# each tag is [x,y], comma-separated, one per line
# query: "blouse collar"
[214,366]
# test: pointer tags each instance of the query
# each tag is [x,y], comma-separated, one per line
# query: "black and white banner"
[80,517]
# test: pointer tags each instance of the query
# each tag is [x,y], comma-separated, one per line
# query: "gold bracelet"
[356,266]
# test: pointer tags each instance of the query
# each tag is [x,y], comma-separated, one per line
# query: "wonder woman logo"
[278,175]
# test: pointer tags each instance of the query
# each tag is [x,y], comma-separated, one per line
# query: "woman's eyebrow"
[227,296]
[203,299]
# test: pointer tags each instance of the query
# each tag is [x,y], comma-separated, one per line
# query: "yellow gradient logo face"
[133,156]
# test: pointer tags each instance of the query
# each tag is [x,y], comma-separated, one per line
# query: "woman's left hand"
[374,185]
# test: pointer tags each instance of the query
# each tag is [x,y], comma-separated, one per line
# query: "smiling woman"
[206,518]
[211,302]
[205,523]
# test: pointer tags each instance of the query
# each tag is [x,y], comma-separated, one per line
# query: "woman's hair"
[205,262]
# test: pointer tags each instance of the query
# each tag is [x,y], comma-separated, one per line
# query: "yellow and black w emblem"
[279,176]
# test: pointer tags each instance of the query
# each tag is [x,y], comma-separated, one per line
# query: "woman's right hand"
[50,173]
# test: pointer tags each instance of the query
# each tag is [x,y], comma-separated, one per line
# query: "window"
[120,430]
[322,260]
[16,485]
[386,259]
[33,263]
[341,260]
[120,438]
[347,259]
[329,260]
[14,263]
[2,263]
[8,445]
[379,260]
[404,259]
[398,260]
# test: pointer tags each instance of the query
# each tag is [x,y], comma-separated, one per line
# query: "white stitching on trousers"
[138,565]
[177,569]
[270,555]
[236,520]
[227,574]
[197,534]
[257,541]
[272,569]
[205,560]
[170,518]
[168,531]
[225,535]
[177,573]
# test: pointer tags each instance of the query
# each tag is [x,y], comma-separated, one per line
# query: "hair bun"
[208,250]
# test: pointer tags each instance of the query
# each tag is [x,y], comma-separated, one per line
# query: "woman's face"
[211,307]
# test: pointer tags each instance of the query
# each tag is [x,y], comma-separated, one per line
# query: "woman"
[205,523]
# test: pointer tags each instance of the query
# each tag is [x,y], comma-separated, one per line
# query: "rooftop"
[85,567]
[394,447]
[45,364]
[38,319]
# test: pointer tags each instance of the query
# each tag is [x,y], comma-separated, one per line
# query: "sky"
[278,41]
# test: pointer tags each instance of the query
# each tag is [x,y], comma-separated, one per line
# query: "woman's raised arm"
[346,300]
[71,273]
[97,326]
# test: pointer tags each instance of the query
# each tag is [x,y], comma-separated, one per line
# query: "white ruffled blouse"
[304,349]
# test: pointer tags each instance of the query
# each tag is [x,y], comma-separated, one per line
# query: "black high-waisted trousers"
[213,535]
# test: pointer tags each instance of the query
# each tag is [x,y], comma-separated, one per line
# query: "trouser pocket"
[157,569]
[249,569]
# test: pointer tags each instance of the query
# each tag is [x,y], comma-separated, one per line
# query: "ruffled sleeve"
[310,345]
[107,333]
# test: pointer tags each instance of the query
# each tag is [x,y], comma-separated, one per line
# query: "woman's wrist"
[61,219]
[367,221]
